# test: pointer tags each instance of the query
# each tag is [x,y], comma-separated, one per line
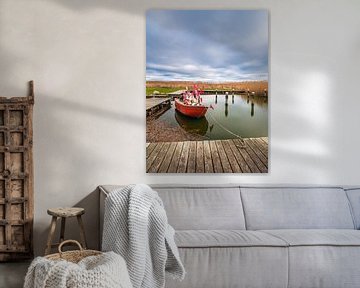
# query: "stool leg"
[62,231]
[82,232]
[51,235]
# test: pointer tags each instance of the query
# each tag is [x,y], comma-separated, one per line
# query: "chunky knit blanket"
[102,271]
[136,227]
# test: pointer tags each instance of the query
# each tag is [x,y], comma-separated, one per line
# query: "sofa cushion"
[322,258]
[204,208]
[317,237]
[296,208]
[223,267]
[199,207]
[226,238]
[324,266]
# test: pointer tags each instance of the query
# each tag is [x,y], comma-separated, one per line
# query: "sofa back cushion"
[296,208]
[203,208]
[354,198]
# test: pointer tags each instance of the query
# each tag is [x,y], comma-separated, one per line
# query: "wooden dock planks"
[183,158]
[192,158]
[200,168]
[153,102]
[175,158]
[154,105]
[209,156]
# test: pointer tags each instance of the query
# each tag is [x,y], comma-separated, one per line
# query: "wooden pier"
[177,93]
[223,92]
[218,92]
[209,156]
[156,105]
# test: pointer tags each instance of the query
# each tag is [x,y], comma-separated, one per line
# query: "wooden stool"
[64,213]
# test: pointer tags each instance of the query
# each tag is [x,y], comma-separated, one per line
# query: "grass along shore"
[161,90]
[165,87]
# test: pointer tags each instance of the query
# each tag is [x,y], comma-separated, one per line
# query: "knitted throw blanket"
[103,271]
[136,227]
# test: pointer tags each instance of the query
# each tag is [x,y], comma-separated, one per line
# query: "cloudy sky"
[207,45]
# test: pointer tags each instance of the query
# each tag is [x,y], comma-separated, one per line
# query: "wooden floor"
[210,156]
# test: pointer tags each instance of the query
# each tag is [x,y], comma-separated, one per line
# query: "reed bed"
[253,86]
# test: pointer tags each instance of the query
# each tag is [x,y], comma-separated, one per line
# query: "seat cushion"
[296,208]
[324,266]
[317,237]
[322,258]
[225,238]
[220,267]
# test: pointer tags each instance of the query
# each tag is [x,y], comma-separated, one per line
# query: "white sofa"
[243,236]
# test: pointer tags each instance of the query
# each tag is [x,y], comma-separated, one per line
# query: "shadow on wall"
[137,7]
[71,154]
[73,157]
[79,108]
[134,6]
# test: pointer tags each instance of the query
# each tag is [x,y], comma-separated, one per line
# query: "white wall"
[87,59]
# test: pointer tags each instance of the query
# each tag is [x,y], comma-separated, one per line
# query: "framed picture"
[207,91]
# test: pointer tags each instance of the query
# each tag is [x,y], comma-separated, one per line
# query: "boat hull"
[190,111]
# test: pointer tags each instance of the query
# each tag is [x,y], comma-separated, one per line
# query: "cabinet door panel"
[16,183]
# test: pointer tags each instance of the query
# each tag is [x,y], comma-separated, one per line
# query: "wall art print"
[207,91]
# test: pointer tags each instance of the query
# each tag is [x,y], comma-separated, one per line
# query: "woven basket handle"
[69,241]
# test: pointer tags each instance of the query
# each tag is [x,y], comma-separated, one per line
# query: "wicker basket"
[72,256]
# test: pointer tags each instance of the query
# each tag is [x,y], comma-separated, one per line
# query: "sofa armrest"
[103,195]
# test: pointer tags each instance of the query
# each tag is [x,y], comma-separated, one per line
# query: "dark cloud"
[207,45]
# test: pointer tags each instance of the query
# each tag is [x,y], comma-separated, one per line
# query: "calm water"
[242,115]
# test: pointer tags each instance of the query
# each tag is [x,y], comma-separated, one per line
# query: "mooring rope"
[232,133]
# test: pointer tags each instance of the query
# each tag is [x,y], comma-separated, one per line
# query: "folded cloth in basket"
[107,270]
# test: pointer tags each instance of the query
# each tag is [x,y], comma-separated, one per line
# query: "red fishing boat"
[193,111]
[190,104]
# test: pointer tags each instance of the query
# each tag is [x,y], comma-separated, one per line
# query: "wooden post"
[31,92]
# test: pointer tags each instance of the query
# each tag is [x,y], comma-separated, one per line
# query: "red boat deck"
[210,156]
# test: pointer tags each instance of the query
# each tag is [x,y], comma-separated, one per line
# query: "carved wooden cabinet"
[16,177]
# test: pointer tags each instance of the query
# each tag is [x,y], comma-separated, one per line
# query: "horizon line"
[213,82]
